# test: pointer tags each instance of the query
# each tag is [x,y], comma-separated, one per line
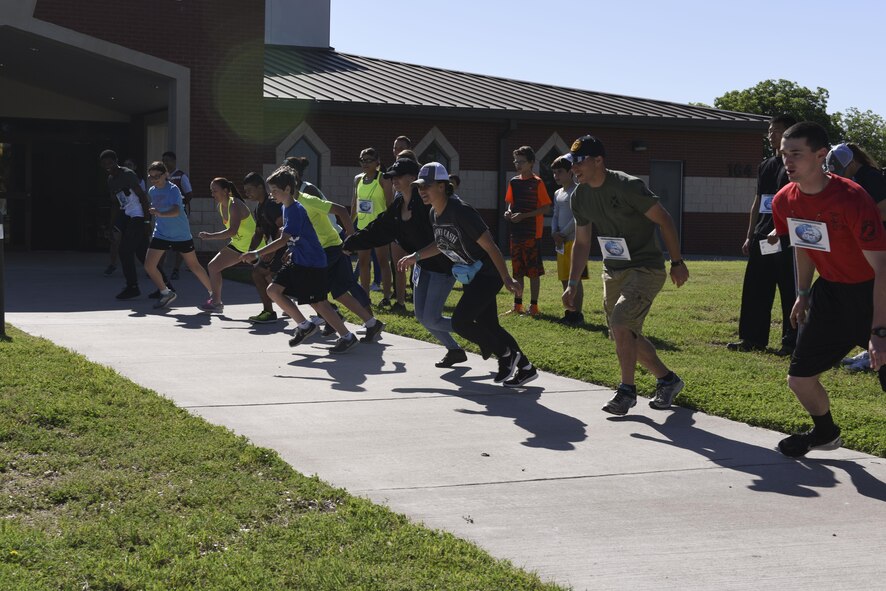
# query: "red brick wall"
[221,42]
[714,233]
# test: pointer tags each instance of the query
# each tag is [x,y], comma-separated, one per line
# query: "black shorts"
[182,246]
[234,248]
[275,264]
[839,318]
[305,284]
[339,272]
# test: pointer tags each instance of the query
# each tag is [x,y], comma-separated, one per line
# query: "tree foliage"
[774,97]
[865,128]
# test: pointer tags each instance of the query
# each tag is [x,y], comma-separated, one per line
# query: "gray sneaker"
[621,403]
[165,300]
[666,392]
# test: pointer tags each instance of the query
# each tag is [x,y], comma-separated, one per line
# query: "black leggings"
[133,245]
[476,316]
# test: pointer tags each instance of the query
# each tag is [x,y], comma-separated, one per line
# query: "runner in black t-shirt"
[765,272]
[462,236]
[268,221]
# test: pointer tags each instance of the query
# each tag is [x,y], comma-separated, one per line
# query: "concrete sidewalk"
[543,477]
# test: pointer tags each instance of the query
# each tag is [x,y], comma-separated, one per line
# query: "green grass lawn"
[690,327]
[105,485]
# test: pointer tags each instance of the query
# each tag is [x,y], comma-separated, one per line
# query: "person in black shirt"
[268,221]
[407,222]
[462,236]
[765,272]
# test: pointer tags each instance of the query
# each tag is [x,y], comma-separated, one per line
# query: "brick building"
[236,86]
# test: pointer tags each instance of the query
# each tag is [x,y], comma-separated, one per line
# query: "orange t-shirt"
[527,195]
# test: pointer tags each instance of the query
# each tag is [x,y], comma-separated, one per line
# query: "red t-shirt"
[852,220]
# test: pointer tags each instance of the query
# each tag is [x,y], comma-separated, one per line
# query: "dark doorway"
[56,194]
[666,181]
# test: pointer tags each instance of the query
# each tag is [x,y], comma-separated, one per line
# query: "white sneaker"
[864,355]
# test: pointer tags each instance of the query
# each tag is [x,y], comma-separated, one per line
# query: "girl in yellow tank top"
[370,199]
[239,228]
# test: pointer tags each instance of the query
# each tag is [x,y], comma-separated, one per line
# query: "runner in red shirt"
[835,228]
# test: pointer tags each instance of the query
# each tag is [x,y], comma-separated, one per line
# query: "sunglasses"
[155,177]
[367,160]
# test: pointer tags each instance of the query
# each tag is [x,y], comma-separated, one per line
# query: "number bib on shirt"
[766,202]
[809,234]
[364,206]
[614,249]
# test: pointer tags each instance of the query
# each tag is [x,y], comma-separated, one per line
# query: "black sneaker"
[155,295]
[301,334]
[398,308]
[506,365]
[452,357]
[523,376]
[798,445]
[129,292]
[327,330]
[785,351]
[344,343]
[109,270]
[384,303]
[373,331]
[621,403]
[745,347]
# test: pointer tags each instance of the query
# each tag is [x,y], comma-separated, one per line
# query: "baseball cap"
[400,167]
[432,172]
[838,159]
[587,146]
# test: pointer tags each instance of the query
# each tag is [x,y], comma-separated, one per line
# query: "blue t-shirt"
[304,246]
[163,199]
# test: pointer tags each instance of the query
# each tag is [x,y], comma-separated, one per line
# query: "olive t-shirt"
[618,208]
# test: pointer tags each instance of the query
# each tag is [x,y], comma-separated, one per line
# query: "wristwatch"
[676,263]
[879,331]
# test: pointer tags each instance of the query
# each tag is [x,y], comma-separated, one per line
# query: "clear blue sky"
[675,50]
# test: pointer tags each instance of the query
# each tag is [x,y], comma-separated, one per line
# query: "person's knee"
[800,384]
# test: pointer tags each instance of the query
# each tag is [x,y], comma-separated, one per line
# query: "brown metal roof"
[326,77]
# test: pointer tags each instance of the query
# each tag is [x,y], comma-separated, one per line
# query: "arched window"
[434,153]
[304,148]
[545,155]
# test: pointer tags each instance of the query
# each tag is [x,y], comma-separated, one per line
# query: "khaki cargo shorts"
[628,295]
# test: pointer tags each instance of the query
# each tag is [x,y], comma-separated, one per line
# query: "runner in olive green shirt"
[626,214]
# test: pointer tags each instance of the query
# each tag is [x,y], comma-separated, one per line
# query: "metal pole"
[2,283]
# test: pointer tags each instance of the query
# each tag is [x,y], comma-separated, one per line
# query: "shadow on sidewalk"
[347,372]
[772,471]
[549,429]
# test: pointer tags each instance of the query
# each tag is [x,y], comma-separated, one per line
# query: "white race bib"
[766,248]
[364,206]
[121,197]
[416,274]
[809,234]
[614,249]
[766,202]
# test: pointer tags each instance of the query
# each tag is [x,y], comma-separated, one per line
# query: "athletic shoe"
[665,392]
[208,306]
[859,357]
[576,319]
[301,334]
[384,303]
[327,330]
[129,292]
[785,351]
[621,403]
[452,357]
[517,309]
[166,300]
[506,365]
[375,287]
[744,347]
[373,331]
[524,375]
[533,311]
[344,343]
[798,445]
[862,362]
[398,308]
[266,317]
[155,295]
[174,275]
[109,270]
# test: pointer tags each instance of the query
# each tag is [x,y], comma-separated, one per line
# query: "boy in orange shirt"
[528,201]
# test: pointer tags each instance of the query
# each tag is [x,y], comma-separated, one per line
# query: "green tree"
[774,97]
[865,128]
